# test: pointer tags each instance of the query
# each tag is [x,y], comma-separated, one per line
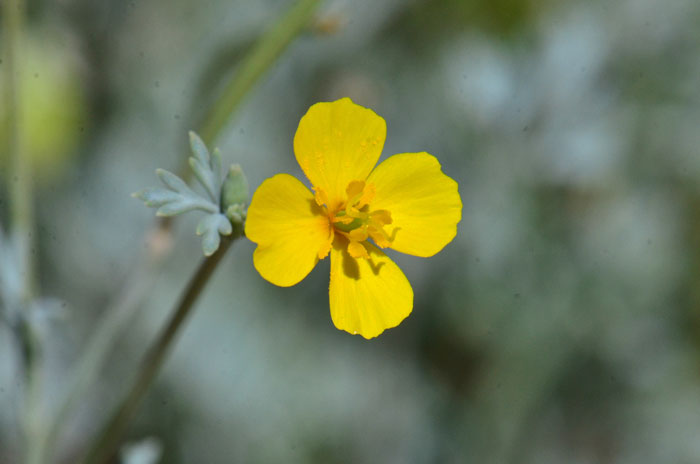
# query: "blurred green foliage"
[53,106]
[561,325]
[502,18]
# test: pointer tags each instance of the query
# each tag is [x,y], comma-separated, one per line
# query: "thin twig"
[106,444]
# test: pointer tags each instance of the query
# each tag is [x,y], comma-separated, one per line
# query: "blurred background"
[561,325]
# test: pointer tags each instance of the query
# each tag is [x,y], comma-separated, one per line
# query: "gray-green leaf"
[199,149]
[170,203]
[179,198]
[205,176]
[209,228]
[184,205]
[206,167]
[155,197]
[173,182]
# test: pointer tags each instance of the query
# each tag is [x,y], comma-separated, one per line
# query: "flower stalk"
[107,442]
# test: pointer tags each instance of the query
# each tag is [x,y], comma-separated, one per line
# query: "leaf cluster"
[178,197]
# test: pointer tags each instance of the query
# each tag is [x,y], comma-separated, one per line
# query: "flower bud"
[235,194]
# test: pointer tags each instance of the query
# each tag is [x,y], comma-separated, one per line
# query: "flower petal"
[424,203]
[336,143]
[289,228]
[367,296]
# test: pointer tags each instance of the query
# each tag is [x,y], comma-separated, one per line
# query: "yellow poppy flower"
[406,203]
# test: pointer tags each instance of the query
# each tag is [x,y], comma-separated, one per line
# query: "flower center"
[355,220]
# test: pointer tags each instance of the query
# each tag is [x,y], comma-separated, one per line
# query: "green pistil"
[347,227]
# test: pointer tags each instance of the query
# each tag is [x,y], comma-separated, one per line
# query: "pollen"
[355,220]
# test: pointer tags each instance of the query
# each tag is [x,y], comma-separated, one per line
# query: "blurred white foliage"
[587,154]
[147,451]
[265,384]
[574,47]
[479,79]
[10,277]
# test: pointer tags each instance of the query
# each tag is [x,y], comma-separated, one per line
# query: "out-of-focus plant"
[148,451]
[224,205]
[408,194]
[41,96]
[52,106]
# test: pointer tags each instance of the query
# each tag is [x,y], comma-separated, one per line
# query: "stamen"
[379,236]
[381,216]
[354,189]
[356,221]
[321,197]
[355,213]
[358,235]
[367,196]
[357,250]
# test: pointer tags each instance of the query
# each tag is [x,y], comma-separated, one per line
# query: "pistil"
[355,220]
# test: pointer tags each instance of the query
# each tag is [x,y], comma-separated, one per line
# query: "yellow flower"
[406,204]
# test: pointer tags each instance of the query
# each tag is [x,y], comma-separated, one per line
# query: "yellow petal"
[424,203]
[289,228]
[369,295]
[336,143]
[326,248]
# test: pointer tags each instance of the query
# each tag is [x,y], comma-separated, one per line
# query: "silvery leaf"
[170,203]
[184,205]
[209,228]
[173,182]
[156,197]
[216,164]
[205,176]
[179,198]
[206,167]
[199,149]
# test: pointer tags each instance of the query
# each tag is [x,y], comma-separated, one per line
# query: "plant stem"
[263,55]
[22,217]
[20,178]
[106,444]
[139,283]
[255,64]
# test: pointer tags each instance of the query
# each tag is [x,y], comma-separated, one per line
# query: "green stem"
[263,55]
[255,64]
[106,444]
[22,216]
[20,178]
